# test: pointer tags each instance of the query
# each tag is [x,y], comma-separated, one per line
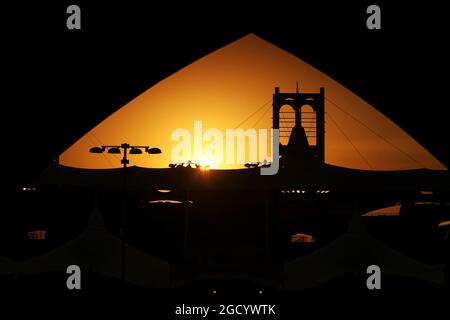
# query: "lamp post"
[127,149]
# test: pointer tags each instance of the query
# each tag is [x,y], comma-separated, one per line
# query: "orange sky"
[223,88]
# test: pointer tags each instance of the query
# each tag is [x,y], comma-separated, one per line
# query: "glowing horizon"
[226,86]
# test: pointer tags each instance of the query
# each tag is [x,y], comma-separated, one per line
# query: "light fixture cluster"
[300,191]
[125,146]
[189,164]
[293,191]
[127,149]
[254,165]
[28,189]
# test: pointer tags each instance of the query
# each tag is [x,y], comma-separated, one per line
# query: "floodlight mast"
[115,149]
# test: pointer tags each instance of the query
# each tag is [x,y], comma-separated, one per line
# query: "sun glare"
[205,162]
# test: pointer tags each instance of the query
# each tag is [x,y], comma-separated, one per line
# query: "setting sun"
[206,162]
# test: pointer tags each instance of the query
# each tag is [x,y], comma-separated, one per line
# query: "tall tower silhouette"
[305,131]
